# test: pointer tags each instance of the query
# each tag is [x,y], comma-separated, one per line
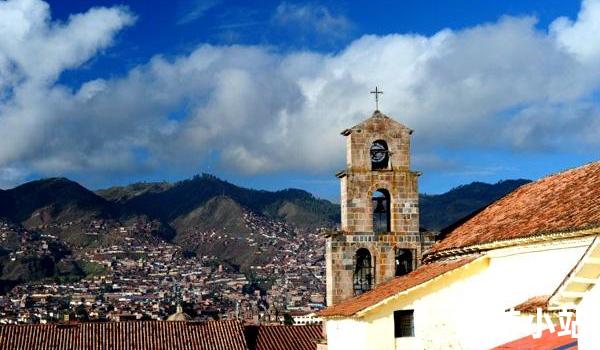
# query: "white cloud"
[310,17]
[505,85]
[580,37]
[38,50]
[11,176]
[37,121]
[197,10]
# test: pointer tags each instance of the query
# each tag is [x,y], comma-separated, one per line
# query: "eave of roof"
[531,305]
[362,304]
[505,243]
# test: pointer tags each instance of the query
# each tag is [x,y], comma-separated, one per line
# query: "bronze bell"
[380,207]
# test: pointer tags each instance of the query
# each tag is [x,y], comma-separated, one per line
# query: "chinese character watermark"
[567,325]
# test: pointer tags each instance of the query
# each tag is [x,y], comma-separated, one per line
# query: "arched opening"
[381,211]
[404,261]
[363,271]
[379,155]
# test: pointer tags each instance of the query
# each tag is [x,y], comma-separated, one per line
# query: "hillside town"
[138,280]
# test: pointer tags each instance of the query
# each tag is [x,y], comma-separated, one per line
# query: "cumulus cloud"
[37,122]
[581,36]
[34,49]
[253,109]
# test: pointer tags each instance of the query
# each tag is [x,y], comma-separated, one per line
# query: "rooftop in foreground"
[567,203]
[382,292]
[148,335]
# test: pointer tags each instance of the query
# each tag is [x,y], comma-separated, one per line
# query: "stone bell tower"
[379,236]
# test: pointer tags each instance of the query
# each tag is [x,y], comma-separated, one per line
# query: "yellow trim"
[408,296]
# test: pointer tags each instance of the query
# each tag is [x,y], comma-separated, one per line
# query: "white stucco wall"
[588,319]
[348,334]
[470,313]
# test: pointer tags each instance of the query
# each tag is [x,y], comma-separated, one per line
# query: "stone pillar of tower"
[375,227]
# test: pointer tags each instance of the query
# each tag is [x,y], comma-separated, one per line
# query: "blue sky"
[113,92]
[177,27]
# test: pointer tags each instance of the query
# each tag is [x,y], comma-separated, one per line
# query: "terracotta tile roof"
[532,304]
[136,335]
[548,341]
[388,289]
[284,337]
[567,201]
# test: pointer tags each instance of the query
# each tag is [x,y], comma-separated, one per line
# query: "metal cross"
[377,92]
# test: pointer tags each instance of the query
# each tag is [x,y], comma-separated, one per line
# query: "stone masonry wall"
[358,183]
[340,253]
[357,204]
[378,127]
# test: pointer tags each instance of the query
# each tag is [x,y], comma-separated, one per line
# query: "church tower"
[379,236]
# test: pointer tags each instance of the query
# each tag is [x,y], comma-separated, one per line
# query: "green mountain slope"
[54,199]
[169,202]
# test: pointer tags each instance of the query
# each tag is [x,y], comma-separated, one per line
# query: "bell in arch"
[380,205]
[381,211]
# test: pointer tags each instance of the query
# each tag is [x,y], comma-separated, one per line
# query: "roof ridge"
[549,176]
[560,172]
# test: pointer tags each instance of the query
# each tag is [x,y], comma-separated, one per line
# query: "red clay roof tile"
[273,337]
[135,335]
[567,201]
[388,289]
[532,304]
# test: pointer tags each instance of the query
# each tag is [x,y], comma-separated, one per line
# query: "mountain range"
[194,211]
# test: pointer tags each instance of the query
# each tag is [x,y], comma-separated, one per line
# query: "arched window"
[381,211]
[404,261]
[379,155]
[363,272]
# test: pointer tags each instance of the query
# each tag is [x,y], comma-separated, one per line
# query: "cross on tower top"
[377,92]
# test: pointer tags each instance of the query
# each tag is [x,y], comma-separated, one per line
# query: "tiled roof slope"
[396,285]
[567,201]
[135,335]
[273,337]
[532,304]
